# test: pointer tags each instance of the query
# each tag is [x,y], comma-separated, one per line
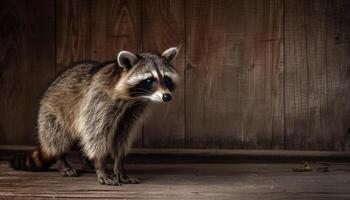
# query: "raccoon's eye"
[148,83]
[169,83]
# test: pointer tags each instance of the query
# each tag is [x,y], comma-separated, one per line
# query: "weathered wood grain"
[262,75]
[234,91]
[214,50]
[185,181]
[27,63]
[115,26]
[319,136]
[256,74]
[163,26]
[72,32]
[315,115]
[338,72]
[296,76]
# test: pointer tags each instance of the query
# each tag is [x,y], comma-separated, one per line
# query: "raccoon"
[97,106]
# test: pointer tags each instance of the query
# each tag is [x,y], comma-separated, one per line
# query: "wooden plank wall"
[256,74]
[27,64]
[235,67]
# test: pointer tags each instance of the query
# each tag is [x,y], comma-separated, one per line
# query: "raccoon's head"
[149,76]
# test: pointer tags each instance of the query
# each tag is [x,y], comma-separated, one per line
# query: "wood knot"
[251,67]
[189,66]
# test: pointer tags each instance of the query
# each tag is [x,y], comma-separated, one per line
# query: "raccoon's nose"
[166,97]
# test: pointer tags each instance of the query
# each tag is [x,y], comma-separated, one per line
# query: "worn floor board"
[185,181]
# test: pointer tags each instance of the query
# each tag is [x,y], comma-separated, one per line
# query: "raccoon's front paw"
[70,172]
[130,180]
[126,179]
[107,180]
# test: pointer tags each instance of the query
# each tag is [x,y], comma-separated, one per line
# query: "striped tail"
[34,161]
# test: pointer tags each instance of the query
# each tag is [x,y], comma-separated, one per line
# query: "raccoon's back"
[69,84]
[66,92]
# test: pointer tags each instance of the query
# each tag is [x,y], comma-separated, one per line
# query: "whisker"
[140,89]
[139,93]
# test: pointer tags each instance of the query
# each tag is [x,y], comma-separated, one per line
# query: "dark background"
[256,74]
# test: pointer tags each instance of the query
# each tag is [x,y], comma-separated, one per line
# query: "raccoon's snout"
[160,96]
[166,97]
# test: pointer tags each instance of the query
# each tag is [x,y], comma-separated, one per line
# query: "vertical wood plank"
[27,63]
[296,76]
[308,118]
[115,26]
[338,70]
[72,32]
[263,103]
[164,27]
[234,85]
[214,41]
[315,24]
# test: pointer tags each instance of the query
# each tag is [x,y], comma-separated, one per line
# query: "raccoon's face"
[150,76]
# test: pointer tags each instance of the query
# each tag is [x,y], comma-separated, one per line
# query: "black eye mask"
[169,83]
[144,88]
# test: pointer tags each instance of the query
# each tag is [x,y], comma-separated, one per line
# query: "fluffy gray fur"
[92,106]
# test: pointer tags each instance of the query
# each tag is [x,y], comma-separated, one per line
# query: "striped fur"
[36,160]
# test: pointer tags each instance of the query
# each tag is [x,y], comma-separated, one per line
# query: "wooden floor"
[186,181]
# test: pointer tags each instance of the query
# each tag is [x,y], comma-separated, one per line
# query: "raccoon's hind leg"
[64,167]
[55,140]
[85,162]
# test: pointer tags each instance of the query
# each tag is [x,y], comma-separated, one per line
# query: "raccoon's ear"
[170,54]
[127,59]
